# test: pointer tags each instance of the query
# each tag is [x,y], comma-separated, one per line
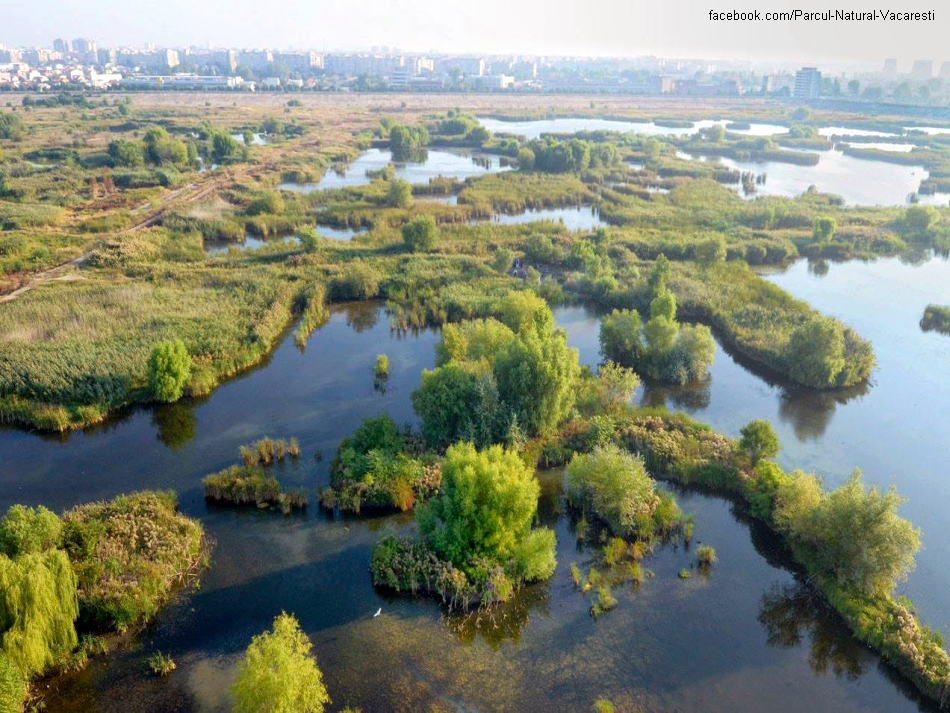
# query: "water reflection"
[792,612]
[175,423]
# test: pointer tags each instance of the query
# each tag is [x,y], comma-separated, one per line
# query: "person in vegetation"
[169,369]
[278,673]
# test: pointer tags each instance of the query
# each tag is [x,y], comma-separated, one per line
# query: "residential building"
[256,60]
[301,62]
[922,69]
[890,67]
[62,46]
[807,83]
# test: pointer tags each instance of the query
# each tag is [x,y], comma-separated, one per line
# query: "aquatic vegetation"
[685,574]
[128,554]
[613,486]
[279,673]
[381,368]
[705,555]
[936,318]
[266,451]
[604,603]
[477,545]
[161,664]
[250,485]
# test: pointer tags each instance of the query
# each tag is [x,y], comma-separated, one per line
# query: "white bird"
[378,612]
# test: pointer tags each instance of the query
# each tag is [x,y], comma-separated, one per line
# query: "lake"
[858,181]
[533,129]
[747,637]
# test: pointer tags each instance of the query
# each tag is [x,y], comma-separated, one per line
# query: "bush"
[420,234]
[279,674]
[169,369]
[399,194]
[270,202]
[129,553]
[705,555]
[614,485]
[484,512]
[358,281]
[620,338]
[815,352]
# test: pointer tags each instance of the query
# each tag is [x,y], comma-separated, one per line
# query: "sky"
[628,28]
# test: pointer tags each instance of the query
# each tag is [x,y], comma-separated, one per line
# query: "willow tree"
[278,674]
[38,608]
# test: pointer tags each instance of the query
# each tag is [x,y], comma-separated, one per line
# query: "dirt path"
[194,191]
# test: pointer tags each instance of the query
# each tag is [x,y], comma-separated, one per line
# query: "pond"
[533,129]
[574,218]
[448,163]
[747,637]
[858,181]
[250,242]
[256,138]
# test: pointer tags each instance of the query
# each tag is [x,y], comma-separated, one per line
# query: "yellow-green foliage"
[278,674]
[38,606]
[128,554]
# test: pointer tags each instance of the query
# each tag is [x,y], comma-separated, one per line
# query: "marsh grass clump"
[381,368]
[705,555]
[128,554]
[936,318]
[685,574]
[605,601]
[267,451]
[251,485]
[161,664]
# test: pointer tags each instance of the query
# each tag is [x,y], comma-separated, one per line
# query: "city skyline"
[602,28]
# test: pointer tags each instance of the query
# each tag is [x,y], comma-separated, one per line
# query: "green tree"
[278,674]
[420,234]
[169,369]
[476,342]
[815,352]
[536,375]
[522,310]
[663,305]
[620,337]
[660,333]
[488,501]
[13,688]
[38,605]
[25,530]
[445,402]
[824,228]
[399,194]
[525,159]
[11,126]
[223,146]
[161,149]
[660,275]
[503,259]
[758,440]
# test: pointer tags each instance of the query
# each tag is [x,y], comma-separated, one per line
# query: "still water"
[448,163]
[535,128]
[747,637]
[858,181]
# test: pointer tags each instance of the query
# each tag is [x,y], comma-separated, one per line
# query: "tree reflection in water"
[790,612]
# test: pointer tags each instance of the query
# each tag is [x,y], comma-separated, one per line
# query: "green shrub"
[758,440]
[420,234]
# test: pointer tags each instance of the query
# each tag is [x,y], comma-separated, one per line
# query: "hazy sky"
[582,27]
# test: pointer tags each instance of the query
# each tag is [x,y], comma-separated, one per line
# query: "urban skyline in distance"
[599,28]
